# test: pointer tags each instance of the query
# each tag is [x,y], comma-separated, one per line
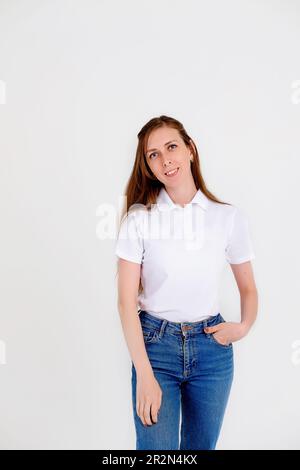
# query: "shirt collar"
[164,202]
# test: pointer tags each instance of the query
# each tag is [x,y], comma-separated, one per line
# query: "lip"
[170,176]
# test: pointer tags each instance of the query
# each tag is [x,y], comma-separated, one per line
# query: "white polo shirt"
[182,252]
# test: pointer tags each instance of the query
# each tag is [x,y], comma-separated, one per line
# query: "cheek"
[150,165]
[187,164]
[182,164]
[155,167]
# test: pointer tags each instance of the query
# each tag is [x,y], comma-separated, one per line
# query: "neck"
[183,194]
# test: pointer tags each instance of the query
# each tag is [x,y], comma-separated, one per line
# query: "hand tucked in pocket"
[227,332]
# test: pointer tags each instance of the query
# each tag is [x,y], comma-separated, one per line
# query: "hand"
[149,396]
[228,332]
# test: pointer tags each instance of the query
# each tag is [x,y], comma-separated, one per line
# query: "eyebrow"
[150,150]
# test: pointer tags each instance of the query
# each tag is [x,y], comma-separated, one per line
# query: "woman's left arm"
[244,277]
[233,331]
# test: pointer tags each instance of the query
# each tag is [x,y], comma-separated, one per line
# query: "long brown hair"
[143,187]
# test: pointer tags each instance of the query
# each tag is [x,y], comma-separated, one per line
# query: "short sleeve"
[239,248]
[129,244]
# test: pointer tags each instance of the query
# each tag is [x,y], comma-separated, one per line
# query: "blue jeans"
[195,373]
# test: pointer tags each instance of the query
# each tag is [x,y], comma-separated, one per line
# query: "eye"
[171,145]
[150,156]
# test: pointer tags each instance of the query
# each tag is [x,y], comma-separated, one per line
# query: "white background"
[79,79]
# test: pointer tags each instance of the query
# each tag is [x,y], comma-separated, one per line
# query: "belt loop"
[205,325]
[162,328]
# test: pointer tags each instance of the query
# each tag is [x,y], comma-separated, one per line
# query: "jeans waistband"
[197,326]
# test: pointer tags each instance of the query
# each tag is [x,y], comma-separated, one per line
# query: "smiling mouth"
[172,172]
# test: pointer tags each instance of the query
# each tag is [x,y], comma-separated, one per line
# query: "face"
[167,151]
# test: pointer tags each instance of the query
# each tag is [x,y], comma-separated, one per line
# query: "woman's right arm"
[148,390]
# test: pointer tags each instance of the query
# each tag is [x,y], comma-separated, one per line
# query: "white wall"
[78,81]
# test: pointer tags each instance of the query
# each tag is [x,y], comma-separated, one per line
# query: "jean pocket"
[220,344]
[211,335]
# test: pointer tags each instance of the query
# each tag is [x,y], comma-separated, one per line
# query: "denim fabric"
[195,373]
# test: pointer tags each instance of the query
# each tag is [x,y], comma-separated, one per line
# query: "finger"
[154,414]
[139,411]
[146,414]
[212,329]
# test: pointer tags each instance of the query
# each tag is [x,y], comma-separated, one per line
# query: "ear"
[193,145]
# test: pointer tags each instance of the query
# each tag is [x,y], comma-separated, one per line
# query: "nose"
[166,162]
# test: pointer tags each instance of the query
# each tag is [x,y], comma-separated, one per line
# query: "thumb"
[211,329]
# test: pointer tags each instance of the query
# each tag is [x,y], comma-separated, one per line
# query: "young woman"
[175,238]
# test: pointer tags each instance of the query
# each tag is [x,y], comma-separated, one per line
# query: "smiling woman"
[180,345]
[171,172]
